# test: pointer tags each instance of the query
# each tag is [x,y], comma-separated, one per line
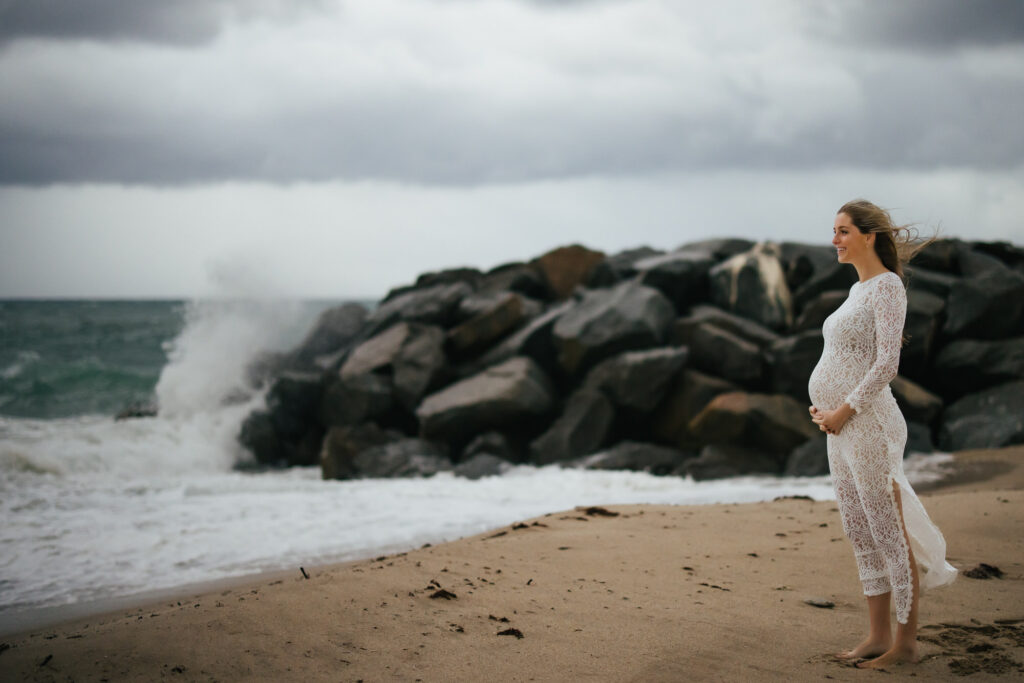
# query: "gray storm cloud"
[494,92]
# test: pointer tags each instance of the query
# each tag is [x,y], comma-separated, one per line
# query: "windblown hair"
[894,244]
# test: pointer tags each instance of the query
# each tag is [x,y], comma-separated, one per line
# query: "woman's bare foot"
[898,654]
[871,647]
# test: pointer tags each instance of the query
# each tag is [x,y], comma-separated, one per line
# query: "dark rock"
[533,340]
[992,418]
[753,285]
[402,458]
[919,439]
[492,443]
[974,263]
[836,277]
[714,350]
[809,459]
[334,330]
[940,255]
[436,305]
[484,302]
[916,403]
[566,268]
[924,319]
[792,360]
[637,457]
[637,379]
[582,428]
[515,277]
[482,465]
[989,306]
[721,248]
[412,353]
[135,410]
[489,325]
[682,330]
[501,396]
[984,571]
[258,435]
[814,313]
[607,321]
[802,261]
[924,280]
[772,423]
[469,276]
[355,398]
[292,404]
[682,276]
[342,445]
[1009,254]
[684,400]
[620,266]
[968,366]
[730,460]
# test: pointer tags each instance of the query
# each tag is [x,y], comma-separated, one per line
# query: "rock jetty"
[689,362]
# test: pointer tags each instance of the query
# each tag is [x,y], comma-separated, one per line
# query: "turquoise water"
[65,358]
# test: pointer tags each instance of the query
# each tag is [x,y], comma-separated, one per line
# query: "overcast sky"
[335,148]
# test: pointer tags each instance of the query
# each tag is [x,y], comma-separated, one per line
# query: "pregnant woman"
[897,547]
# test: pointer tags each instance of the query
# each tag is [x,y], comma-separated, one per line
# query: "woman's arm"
[889,301]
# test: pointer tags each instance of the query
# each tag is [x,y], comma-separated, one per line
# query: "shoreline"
[17,622]
[737,538]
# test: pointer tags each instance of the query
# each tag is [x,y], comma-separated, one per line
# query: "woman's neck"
[870,267]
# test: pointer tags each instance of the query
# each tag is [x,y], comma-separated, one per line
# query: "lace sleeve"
[889,303]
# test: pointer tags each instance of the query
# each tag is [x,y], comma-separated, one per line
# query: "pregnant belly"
[826,388]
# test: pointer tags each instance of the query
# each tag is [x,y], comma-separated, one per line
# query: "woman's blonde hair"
[894,244]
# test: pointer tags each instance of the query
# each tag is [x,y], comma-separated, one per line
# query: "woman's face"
[850,243]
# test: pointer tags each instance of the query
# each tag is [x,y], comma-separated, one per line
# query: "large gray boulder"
[992,418]
[834,277]
[685,398]
[515,277]
[637,380]
[772,423]
[753,285]
[809,459]
[637,457]
[924,317]
[504,314]
[792,360]
[924,280]
[967,366]
[402,458]
[682,276]
[582,428]
[435,305]
[288,432]
[915,402]
[755,333]
[813,315]
[502,396]
[716,351]
[356,398]
[607,321]
[720,460]
[333,330]
[532,339]
[989,306]
[804,261]
[342,445]
[411,353]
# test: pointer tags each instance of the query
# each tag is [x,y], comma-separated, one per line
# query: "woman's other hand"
[831,421]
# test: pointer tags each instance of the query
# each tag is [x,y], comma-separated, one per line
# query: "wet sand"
[622,593]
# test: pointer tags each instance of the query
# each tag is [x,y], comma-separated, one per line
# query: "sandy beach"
[620,593]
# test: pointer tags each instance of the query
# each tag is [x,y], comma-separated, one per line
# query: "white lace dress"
[860,358]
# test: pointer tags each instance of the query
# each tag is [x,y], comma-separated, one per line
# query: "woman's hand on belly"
[831,421]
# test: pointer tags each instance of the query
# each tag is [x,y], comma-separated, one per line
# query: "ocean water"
[95,508]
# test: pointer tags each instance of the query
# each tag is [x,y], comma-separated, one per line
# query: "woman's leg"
[870,563]
[904,649]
